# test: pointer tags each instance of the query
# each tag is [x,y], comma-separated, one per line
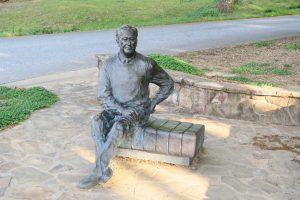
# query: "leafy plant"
[262,44]
[249,81]
[171,62]
[259,69]
[293,46]
[17,104]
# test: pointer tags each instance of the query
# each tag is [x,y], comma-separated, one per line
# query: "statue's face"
[127,42]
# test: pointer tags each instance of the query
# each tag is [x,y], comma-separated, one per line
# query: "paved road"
[31,56]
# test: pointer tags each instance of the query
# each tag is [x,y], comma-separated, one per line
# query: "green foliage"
[262,44]
[249,81]
[45,16]
[287,65]
[207,11]
[259,69]
[293,46]
[17,104]
[171,62]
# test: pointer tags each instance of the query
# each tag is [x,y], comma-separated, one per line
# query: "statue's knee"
[119,126]
[97,119]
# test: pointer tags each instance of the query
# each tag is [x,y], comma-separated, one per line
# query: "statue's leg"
[110,148]
[98,137]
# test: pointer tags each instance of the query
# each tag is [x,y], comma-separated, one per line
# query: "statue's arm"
[105,97]
[165,83]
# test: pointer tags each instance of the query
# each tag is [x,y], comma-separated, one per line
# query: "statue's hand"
[130,113]
[152,106]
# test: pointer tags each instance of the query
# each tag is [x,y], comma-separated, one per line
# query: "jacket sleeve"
[163,80]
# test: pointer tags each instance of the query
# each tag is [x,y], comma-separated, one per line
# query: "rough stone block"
[175,147]
[162,142]
[279,101]
[188,144]
[221,97]
[265,108]
[185,98]
[199,102]
[157,123]
[149,139]
[183,126]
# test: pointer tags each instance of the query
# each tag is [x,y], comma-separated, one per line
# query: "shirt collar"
[126,60]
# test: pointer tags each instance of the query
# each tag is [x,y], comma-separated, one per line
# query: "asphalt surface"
[31,56]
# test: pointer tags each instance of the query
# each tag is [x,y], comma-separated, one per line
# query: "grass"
[293,46]
[245,80]
[25,17]
[259,69]
[171,62]
[17,104]
[287,66]
[262,44]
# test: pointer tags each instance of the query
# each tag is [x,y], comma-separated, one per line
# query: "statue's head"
[126,37]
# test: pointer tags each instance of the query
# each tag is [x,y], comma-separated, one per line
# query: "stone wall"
[235,101]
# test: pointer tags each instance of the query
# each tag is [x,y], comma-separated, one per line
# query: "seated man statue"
[123,94]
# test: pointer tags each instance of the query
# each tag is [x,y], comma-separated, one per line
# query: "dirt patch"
[14,4]
[219,61]
[276,142]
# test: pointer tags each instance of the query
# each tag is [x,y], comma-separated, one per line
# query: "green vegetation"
[245,80]
[287,66]
[293,46]
[25,17]
[17,104]
[262,44]
[259,69]
[171,62]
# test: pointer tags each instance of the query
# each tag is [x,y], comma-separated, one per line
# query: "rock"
[221,97]
[265,108]
[4,184]
[279,101]
[30,174]
[61,168]
[185,98]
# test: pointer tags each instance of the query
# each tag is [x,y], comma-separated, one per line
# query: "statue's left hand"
[152,106]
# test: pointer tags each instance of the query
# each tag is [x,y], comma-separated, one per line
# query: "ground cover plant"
[293,46]
[245,80]
[23,17]
[171,62]
[262,44]
[17,104]
[259,68]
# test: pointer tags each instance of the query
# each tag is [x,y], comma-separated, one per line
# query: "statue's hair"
[126,28]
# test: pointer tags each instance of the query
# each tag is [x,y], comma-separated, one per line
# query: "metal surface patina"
[123,94]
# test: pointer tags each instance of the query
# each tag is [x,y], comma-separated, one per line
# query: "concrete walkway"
[45,156]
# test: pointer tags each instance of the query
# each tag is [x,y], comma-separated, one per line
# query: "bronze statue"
[123,95]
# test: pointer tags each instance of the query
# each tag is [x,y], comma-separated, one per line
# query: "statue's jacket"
[124,83]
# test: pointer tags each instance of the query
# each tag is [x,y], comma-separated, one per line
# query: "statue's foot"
[106,175]
[88,182]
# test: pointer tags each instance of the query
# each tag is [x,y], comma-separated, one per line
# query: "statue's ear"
[118,41]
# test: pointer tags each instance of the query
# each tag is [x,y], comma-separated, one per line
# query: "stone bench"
[166,141]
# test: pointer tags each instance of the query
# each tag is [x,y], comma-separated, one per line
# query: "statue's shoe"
[106,175]
[88,182]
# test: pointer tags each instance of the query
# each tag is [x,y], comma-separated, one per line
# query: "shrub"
[171,62]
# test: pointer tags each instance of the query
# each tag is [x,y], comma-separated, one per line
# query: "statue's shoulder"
[145,59]
[110,59]
[108,62]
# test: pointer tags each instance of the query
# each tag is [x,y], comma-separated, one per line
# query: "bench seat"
[167,141]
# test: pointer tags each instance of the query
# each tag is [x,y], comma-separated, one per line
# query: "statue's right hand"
[130,113]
